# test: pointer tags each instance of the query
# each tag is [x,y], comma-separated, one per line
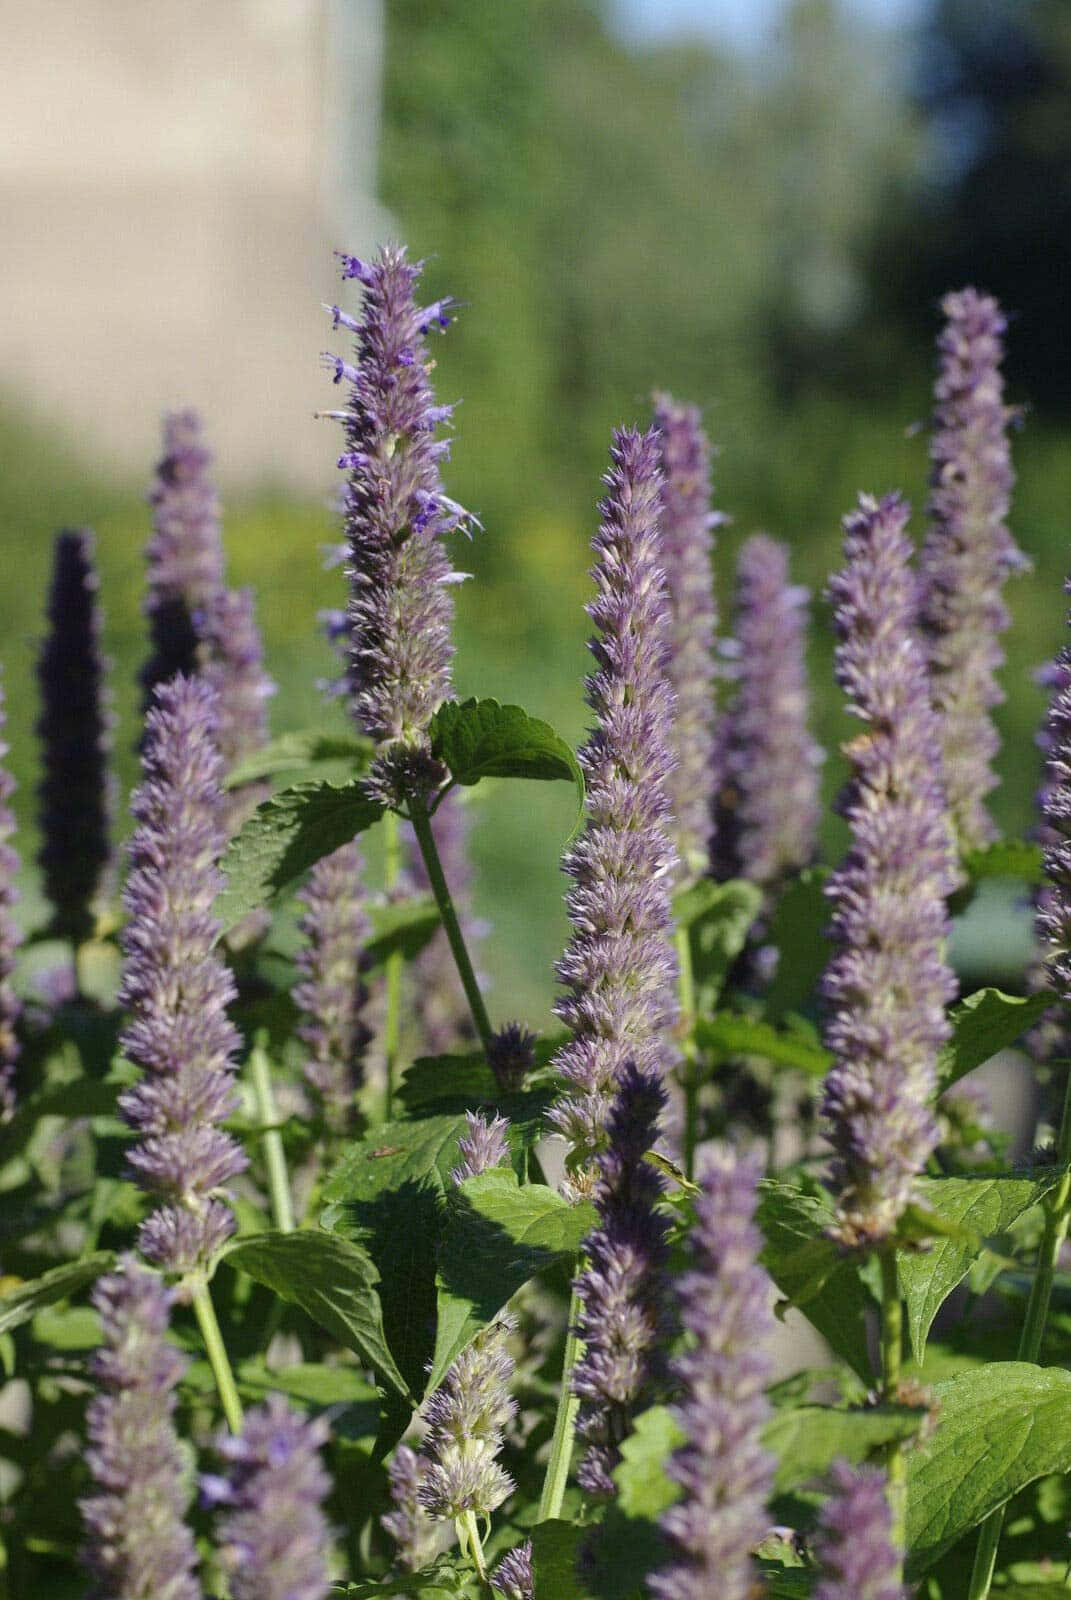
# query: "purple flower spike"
[768,812]
[466,1418]
[619,969]
[687,550]
[231,653]
[74,727]
[887,984]
[622,1288]
[1054,902]
[332,993]
[176,986]
[274,1538]
[726,1475]
[442,1011]
[511,1056]
[137,1543]
[513,1578]
[408,1523]
[396,516]
[968,553]
[854,1547]
[185,552]
[10,937]
[483,1146]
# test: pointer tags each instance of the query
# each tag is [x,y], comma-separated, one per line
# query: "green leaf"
[999,1427]
[19,1304]
[807,1440]
[1007,858]
[445,1580]
[555,1549]
[644,1487]
[798,933]
[498,1235]
[287,835]
[811,1272]
[987,1021]
[730,1033]
[483,739]
[319,754]
[330,1278]
[982,1205]
[405,928]
[718,918]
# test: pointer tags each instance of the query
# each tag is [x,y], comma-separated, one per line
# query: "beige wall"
[174,175]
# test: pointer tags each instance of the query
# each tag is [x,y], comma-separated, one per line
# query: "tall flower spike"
[1054,901]
[184,553]
[722,1468]
[619,968]
[231,654]
[466,1418]
[887,984]
[968,553]
[138,1546]
[74,727]
[407,1522]
[442,1012]
[332,994]
[176,986]
[10,938]
[273,1539]
[768,811]
[687,550]
[396,515]
[854,1547]
[622,1289]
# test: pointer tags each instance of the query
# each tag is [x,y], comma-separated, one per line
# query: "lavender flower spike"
[74,729]
[687,549]
[10,937]
[231,653]
[622,1289]
[854,1546]
[968,553]
[1053,917]
[767,818]
[619,969]
[184,553]
[177,987]
[407,1522]
[396,516]
[484,1145]
[138,1546]
[332,994]
[726,1475]
[466,1417]
[274,1537]
[887,984]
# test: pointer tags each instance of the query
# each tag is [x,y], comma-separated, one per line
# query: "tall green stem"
[392,865]
[282,1206]
[418,816]
[1057,1205]
[561,1445]
[686,990]
[892,1337]
[218,1359]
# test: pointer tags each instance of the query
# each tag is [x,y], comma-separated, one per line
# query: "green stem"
[1057,1204]
[561,1445]
[392,869]
[686,990]
[218,1359]
[892,1338]
[418,816]
[282,1206]
[467,1521]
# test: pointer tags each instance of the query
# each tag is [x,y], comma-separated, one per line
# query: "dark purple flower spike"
[10,937]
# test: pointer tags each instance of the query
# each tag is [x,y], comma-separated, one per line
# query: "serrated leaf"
[720,917]
[497,1236]
[808,1439]
[25,1300]
[983,1205]
[334,1280]
[405,928]
[484,739]
[284,837]
[999,1428]
[318,754]
[982,1024]
[811,1272]
[1006,858]
[798,933]
[730,1033]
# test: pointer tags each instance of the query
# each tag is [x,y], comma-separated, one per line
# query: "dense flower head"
[184,553]
[1054,902]
[332,993]
[514,1578]
[511,1055]
[408,1524]
[968,553]
[887,984]
[722,1468]
[273,1539]
[688,525]
[619,968]
[768,809]
[482,1146]
[137,1545]
[74,727]
[466,1419]
[622,1288]
[441,1010]
[395,510]
[10,937]
[854,1546]
[231,656]
[175,985]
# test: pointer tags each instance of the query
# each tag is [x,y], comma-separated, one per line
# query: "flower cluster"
[1054,902]
[854,1548]
[332,994]
[466,1418]
[10,939]
[408,1524]
[484,1145]
[514,1578]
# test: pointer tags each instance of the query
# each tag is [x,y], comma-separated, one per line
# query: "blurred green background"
[765,231]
